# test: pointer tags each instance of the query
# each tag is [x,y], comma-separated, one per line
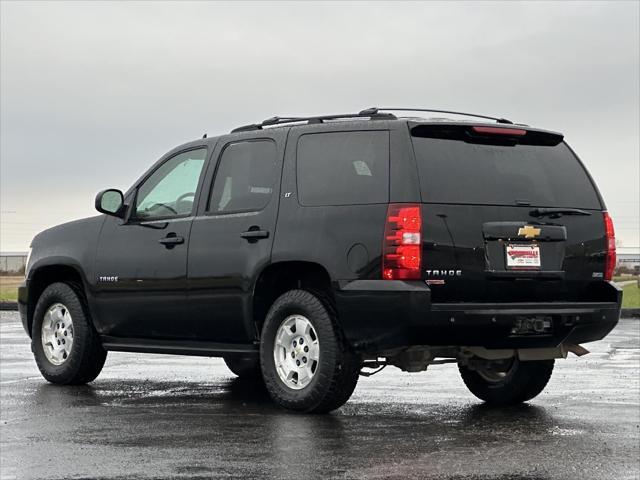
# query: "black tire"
[87,357]
[338,369]
[524,381]
[244,367]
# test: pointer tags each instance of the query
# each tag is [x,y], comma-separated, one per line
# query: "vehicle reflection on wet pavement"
[151,416]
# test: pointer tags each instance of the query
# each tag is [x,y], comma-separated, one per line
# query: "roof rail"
[376,110]
[316,119]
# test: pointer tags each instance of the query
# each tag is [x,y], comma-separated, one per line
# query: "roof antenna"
[204,136]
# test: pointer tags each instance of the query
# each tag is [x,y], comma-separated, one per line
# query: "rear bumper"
[379,314]
[490,325]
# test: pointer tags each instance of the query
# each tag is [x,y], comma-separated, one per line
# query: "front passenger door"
[141,263]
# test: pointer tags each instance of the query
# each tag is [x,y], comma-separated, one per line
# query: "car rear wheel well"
[45,276]
[281,277]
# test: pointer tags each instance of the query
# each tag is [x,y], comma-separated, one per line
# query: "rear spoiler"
[486,134]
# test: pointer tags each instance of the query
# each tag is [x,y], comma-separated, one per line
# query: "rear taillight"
[402,249]
[610,262]
[513,132]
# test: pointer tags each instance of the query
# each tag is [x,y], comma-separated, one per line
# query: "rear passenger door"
[335,216]
[232,234]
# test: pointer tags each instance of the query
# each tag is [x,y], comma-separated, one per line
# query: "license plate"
[523,256]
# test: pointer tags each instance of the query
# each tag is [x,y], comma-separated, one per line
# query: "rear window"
[453,171]
[343,168]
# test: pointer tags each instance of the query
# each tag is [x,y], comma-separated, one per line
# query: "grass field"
[631,296]
[9,288]
[624,278]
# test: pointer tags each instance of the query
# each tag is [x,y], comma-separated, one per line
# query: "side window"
[245,177]
[170,191]
[343,168]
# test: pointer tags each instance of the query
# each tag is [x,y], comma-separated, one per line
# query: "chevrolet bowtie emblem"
[528,231]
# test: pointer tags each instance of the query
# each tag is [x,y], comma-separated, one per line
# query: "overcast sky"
[92,94]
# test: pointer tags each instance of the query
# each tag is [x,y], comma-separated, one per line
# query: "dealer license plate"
[523,256]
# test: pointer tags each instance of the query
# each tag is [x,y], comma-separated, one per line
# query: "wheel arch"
[278,278]
[40,277]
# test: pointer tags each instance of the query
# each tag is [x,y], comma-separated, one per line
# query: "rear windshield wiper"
[557,212]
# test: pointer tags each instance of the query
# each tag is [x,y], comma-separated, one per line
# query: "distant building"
[628,257]
[13,262]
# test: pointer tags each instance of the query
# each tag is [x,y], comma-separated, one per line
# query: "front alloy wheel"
[64,342]
[57,334]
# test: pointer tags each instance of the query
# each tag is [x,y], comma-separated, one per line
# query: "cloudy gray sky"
[92,94]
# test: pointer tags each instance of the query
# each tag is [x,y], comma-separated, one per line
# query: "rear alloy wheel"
[306,363]
[508,382]
[296,352]
[65,345]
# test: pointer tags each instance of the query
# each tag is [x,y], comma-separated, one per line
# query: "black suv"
[308,251]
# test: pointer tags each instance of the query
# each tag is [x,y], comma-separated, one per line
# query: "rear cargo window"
[343,168]
[453,171]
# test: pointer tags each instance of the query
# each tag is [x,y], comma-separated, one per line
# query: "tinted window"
[452,171]
[343,168]
[170,190]
[245,176]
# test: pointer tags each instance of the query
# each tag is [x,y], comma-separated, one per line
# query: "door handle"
[253,235]
[171,240]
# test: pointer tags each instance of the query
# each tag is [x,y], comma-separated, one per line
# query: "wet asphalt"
[160,416]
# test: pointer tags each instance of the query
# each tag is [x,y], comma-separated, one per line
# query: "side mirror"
[111,202]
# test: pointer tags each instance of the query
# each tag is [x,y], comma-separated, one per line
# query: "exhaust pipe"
[577,350]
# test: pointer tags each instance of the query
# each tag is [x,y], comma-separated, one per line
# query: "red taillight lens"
[402,246]
[513,132]
[610,262]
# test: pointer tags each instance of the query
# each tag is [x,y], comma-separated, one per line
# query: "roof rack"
[316,119]
[376,110]
[374,113]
